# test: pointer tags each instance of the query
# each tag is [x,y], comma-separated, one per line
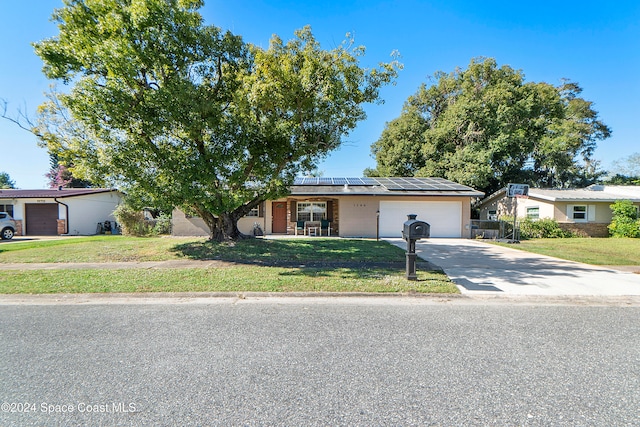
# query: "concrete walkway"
[482,268]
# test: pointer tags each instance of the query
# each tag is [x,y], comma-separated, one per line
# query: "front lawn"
[92,249]
[256,265]
[596,251]
[224,279]
[138,249]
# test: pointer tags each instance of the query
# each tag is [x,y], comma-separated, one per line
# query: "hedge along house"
[355,207]
[66,211]
[585,211]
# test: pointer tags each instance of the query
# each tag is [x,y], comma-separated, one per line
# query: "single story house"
[585,211]
[355,207]
[66,211]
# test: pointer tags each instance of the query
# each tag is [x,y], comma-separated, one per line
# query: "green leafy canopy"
[188,115]
[484,126]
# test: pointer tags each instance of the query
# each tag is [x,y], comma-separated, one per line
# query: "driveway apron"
[482,268]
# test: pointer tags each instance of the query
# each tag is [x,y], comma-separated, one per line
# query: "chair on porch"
[300,226]
[325,224]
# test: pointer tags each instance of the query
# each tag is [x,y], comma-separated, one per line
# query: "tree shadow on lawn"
[292,252]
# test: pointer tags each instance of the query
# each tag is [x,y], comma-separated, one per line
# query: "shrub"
[162,224]
[132,221]
[545,228]
[625,222]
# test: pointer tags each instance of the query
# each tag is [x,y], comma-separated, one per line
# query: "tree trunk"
[223,228]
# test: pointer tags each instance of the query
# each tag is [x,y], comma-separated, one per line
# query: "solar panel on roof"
[354,181]
[419,184]
[369,181]
[391,184]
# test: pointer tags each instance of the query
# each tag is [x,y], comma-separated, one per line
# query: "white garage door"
[443,217]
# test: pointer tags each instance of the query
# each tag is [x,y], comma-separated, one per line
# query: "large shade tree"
[184,113]
[484,126]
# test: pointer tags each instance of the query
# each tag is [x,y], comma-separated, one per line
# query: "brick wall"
[61,226]
[18,227]
[587,229]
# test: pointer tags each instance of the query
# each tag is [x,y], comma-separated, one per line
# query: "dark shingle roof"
[65,192]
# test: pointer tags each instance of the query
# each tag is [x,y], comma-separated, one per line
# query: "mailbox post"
[413,230]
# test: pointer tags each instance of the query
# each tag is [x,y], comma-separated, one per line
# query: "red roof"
[64,192]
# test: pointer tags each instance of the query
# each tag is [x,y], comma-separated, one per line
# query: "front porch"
[306,216]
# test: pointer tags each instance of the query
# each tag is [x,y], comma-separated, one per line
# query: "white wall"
[85,212]
[181,225]
[546,209]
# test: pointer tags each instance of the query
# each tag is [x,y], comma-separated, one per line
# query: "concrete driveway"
[482,268]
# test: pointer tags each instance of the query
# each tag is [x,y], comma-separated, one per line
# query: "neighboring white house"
[67,211]
[355,207]
[586,211]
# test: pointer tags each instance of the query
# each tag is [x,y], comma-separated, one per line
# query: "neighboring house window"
[579,213]
[492,216]
[7,208]
[312,211]
[533,213]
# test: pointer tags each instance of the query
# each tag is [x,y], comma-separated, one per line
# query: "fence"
[481,229]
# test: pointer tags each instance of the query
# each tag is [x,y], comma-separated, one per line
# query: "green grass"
[293,250]
[357,268]
[596,251]
[92,249]
[228,279]
[122,249]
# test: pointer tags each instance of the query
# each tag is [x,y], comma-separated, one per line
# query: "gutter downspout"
[66,222]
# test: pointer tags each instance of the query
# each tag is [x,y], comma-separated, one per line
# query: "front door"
[279,213]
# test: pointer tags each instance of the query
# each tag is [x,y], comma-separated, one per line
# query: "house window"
[533,213]
[579,213]
[7,208]
[492,216]
[254,212]
[312,211]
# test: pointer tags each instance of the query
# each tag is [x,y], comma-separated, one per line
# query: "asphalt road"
[285,362]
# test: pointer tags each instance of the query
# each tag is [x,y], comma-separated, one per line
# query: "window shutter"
[570,212]
[261,210]
[330,210]
[294,211]
[591,213]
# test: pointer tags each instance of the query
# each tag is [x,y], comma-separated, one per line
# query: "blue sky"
[596,44]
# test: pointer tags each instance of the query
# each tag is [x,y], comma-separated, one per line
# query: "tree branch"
[19,119]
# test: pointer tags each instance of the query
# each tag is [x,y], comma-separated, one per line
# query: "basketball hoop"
[517,190]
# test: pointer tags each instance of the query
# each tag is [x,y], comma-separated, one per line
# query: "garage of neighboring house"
[41,219]
[71,211]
